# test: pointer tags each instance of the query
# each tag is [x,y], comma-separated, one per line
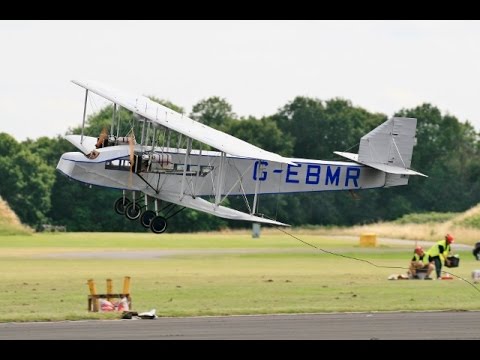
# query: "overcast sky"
[258,66]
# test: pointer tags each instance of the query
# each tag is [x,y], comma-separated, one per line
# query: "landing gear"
[133,211]
[158,224]
[147,217]
[121,204]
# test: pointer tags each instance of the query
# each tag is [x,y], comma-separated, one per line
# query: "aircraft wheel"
[147,217]
[120,206]
[158,224]
[133,211]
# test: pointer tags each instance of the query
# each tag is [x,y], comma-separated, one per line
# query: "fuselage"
[201,174]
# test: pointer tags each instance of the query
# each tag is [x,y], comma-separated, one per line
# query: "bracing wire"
[346,150]
[277,196]
[93,104]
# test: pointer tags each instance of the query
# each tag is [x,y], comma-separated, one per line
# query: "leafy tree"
[8,145]
[446,151]
[91,208]
[263,133]
[25,180]
[25,183]
[48,149]
[214,111]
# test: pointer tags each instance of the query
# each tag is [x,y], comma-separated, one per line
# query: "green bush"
[472,222]
[424,218]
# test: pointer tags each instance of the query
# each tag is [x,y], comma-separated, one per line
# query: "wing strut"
[154,142]
[84,115]
[143,132]
[113,118]
[118,121]
[187,155]
[257,184]
[221,172]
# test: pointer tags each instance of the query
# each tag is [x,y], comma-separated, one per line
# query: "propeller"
[100,143]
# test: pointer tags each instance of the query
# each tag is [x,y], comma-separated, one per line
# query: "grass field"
[44,276]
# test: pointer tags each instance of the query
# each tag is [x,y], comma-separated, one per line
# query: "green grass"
[130,241]
[424,218]
[277,275]
[6,230]
[11,228]
[470,222]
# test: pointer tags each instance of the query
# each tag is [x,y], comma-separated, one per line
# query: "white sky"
[258,66]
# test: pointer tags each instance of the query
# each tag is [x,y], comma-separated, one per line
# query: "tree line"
[447,151]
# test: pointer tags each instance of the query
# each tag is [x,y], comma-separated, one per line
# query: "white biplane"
[152,171]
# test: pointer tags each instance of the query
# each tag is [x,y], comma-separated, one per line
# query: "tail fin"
[389,148]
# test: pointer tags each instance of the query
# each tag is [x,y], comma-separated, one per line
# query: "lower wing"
[200,204]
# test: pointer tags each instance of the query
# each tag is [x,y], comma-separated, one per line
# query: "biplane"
[157,176]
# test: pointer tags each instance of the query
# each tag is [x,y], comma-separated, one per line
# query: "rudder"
[391,143]
[389,148]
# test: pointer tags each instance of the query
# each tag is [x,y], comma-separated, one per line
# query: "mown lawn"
[43,277]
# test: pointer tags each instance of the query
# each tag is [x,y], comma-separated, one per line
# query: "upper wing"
[182,124]
[200,204]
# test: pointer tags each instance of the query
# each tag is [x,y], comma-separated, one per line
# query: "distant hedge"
[430,217]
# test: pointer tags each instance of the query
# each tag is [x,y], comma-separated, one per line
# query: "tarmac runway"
[357,326]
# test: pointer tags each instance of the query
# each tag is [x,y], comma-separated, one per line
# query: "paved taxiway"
[381,326]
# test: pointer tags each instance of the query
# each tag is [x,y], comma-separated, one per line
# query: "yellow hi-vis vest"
[435,249]
[424,259]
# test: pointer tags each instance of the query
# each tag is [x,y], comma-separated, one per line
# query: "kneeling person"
[420,262]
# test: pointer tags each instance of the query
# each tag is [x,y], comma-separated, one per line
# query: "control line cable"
[366,261]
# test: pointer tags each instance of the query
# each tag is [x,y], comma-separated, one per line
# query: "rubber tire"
[158,225]
[119,207]
[147,217]
[133,211]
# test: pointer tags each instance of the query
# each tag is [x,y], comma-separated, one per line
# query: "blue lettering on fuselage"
[353,173]
[263,176]
[332,178]
[291,173]
[313,174]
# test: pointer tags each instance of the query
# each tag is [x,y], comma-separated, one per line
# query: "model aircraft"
[154,172]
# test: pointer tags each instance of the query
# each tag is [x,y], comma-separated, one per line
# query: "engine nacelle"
[158,161]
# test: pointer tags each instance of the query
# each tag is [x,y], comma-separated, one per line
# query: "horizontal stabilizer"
[390,169]
[200,204]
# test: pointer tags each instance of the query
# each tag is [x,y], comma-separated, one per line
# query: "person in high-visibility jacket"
[420,261]
[439,252]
